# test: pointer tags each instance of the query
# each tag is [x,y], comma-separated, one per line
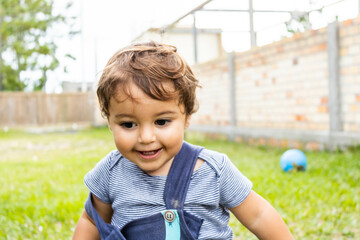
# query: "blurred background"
[92,31]
[110,25]
[284,72]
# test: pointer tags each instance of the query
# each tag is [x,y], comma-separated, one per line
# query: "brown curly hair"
[149,66]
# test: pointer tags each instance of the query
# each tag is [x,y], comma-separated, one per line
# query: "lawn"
[42,191]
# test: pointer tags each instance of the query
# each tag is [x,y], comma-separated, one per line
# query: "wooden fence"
[40,109]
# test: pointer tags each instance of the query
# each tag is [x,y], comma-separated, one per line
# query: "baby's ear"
[187,121]
[108,123]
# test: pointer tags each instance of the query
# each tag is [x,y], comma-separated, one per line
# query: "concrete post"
[251,22]
[195,40]
[334,80]
[232,91]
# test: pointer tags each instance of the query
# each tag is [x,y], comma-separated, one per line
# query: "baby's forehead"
[130,88]
[131,91]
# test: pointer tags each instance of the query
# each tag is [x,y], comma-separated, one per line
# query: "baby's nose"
[146,135]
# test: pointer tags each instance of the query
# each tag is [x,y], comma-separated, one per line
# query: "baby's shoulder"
[214,159]
[110,160]
[115,158]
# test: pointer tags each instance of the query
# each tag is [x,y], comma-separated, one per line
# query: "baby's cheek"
[123,141]
[173,135]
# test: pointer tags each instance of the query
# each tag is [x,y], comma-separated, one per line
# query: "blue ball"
[293,159]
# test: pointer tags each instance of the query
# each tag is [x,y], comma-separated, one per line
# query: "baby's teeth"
[149,153]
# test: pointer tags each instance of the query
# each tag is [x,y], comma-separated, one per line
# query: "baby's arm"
[257,215]
[86,228]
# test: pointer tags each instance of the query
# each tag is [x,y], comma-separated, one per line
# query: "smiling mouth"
[149,154]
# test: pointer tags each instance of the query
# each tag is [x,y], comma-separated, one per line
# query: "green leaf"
[24,35]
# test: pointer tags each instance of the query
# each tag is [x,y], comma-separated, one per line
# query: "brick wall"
[349,51]
[213,97]
[284,85]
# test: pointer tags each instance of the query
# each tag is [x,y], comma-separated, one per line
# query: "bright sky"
[109,25]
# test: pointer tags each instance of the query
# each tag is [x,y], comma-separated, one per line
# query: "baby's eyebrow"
[165,112]
[122,115]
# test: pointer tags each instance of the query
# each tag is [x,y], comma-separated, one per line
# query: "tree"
[24,43]
[299,22]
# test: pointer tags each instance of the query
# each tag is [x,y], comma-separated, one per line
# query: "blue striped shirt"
[216,186]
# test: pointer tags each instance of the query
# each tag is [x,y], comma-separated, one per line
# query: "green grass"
[42,191]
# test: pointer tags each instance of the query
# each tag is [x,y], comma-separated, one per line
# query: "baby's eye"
[128,125]
[162,122]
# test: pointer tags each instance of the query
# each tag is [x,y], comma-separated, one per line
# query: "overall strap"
[179,176]
[106,231]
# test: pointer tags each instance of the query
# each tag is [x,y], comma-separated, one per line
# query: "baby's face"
[146,131]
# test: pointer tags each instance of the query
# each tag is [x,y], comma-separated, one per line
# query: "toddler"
[156,185]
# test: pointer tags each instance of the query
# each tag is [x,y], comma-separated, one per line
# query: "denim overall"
[171,224]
